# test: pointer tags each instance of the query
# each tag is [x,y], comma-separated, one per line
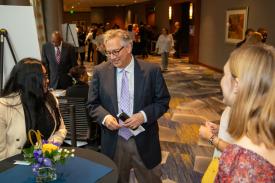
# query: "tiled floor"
[196,97]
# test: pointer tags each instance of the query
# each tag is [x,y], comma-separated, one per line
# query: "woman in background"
[27,104]
[163,46]
[80,80]
[250,71]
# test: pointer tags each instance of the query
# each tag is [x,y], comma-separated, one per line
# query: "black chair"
[79,124]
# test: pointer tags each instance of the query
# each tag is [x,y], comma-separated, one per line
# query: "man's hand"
[111,123]
[134,121]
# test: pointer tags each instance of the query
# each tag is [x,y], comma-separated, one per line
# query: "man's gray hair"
[118,33]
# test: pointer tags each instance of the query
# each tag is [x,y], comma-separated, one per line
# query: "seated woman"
[80,88]
[27,104]
[249,77]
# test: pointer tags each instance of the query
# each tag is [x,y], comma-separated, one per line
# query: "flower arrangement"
[44,155]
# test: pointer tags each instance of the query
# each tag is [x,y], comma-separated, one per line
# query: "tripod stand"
[68,28]
[4,35]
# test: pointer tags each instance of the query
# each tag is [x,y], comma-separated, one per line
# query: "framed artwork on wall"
[235,25]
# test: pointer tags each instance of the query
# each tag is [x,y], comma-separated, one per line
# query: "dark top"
[79,90]
[238,164]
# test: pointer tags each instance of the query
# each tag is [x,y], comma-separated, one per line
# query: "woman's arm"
[206,133]
[60,134]
[3,134]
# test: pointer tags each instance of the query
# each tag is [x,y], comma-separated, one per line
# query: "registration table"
[87,166]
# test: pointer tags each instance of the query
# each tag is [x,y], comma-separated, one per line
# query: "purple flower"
[40,160]
[35,168]
[47,162]
[37,153]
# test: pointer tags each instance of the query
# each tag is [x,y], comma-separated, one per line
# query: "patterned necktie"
[124,105]
[58,55]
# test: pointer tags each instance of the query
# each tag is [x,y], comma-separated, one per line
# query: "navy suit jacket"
[58,73]
[150,95]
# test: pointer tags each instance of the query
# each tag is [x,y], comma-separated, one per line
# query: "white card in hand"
[18,162]
[137,131]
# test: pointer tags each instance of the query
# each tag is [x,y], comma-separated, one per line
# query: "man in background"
[58,57]
[178,39]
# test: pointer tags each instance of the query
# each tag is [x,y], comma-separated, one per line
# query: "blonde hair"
[118,33]
[253,112]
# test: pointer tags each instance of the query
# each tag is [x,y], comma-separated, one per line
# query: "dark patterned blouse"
[238,164]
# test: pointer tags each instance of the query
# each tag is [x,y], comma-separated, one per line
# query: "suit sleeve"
[160,100]
[95,109]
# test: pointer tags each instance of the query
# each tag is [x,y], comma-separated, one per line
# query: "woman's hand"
[214,127]
[205,132]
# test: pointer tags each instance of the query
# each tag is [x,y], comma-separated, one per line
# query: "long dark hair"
[27,80]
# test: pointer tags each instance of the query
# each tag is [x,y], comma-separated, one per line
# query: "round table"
[83,153]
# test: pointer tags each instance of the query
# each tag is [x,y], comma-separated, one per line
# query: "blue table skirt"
[75,170]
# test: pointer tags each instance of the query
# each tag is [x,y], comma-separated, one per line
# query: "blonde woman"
[250,71]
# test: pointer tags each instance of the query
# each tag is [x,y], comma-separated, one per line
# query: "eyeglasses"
[113,52]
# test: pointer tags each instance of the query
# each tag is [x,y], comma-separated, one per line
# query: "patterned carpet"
[195,97]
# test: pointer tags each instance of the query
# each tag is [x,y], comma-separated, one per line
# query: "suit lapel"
[112,83]
[52,52]
[138,86]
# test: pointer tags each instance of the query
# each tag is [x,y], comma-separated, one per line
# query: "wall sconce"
[191,11]
[170,13]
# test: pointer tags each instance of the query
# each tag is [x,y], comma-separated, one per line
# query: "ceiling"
[85,5]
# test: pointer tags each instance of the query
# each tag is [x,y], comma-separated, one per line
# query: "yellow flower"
[49,148]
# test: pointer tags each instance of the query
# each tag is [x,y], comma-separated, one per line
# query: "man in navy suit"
[58,57]
[138,89]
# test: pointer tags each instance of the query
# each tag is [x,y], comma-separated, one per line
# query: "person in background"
[248,32]
[100,49]
[26,104]
[178,38]
[88,41]
[80,86]
[130,31]
[263,31]
[81,41]
[138,89]
[250,71]
[58,57]
[164,45]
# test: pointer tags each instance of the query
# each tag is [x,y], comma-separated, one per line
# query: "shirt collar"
[129,67]
[60,46]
